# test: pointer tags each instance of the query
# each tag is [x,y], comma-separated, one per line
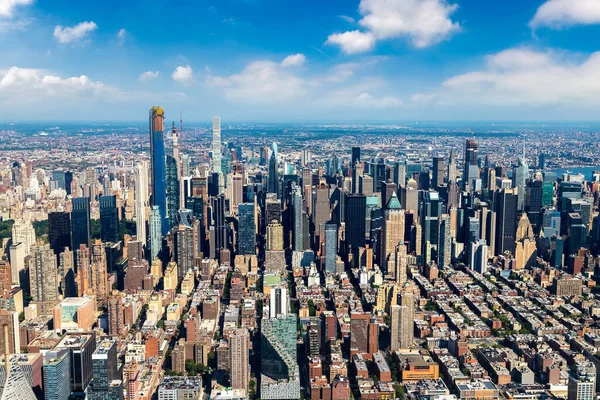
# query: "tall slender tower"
[141,197]
[157,154]
[216,151]
[471,169]
[240,364]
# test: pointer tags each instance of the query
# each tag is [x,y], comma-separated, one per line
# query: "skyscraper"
[331,247]
[393,230]
[173,190]
[471,169]
[430,212]
[505,206]
[184,238]
[155,232]
[57,375]
[355,156]
[99,273]
[437,172]
[80,222]
[297,219]
[519,177]
[355,208]
[106,383]
[109,220]
[273,183]
[279,358]
[43,276]
[16,385]
[23,232]
[158,165]
[246,240]
[402,321]
[240,361]
[59,231]
[81,346]
[141,199]
[216,152]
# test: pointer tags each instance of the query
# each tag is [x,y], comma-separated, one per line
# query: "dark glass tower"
[273,184]
[172,190]
[505,205]
[157,154]
[80,222]
[68,181]
[437,172]
[355,208]
[109,219]
[246,239]
[59,231]
[355,155]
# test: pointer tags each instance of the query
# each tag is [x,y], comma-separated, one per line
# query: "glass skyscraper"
[172,190]
[246,239]
[80,222]
[57,375]
[157,154]
[109,220]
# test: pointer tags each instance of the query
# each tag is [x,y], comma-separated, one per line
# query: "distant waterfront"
[586,171]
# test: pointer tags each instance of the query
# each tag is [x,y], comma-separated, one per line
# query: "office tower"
[402,322]
[158,165]
[355,205]
[173,190]
[519,181]
[216,153]
[141,199]
[331,247]
[68,182]
[534,199]
[409,197]
[59,231]
[365,184]
[332,165]
[106,383]
[16,385]
[80,222]
[388,189]
[116,319]
[478,256]
[452,169]
[218,242]
[582,382]
[10,319]
[297,220]
[378,176]
[17,262]
[355,155]
[542,162]
[109,220]
[84,273]
[550,222]
[273,183]
[445,241]
[23,232]
[400,263]
[184,238]
[274,236]
[66,271]
[392,231]
[431,210]
[239,344]
[246,239]
[99,273]
[235,191]
[321,213]
[438,172]
[43,277]
[155,233]
[279,367]
[505,206]
[471,169]
[57,375]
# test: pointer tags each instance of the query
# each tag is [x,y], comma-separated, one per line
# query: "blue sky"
[300,60]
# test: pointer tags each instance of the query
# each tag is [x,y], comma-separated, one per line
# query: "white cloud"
[183,75]
[8,25]
[148,76]
[367,100]
[353,42]
[73,33]
[294,60]
[348,19]
[528,77]
[263,80]
[35,84]
[423,22]
[562,13]
[7,7]
[121,36]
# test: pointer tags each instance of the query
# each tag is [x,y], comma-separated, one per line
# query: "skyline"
[256,60]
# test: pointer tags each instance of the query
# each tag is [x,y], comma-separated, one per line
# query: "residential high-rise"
[297,219]
[109,219]
[355,208]
[59,231]
[452,170]
[99,274]
[16,385]
[184,238]
[239,344]
[444,252]
[141,200]
[331,247]
[431,209]
[402,321]
[173,190]
[274,236]
[23,232]
[80,222]
[158,165]
[10,319]
[582,382]
[43,276]
[478,256]
[519,178]
[471,169]
[246,239]
[278,302]
[273,183]
[17,262]
[279,366]
[57,375]
[216,152]
[155,232]
[106,382]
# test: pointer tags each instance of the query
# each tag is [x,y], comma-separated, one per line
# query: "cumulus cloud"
[121,36]
[148,76]
[7,7]
[563,13]
[36,85]
[528,77]
[294,60]
[70,34]
[423,22]
[183,75]
[367,100]
[353,42]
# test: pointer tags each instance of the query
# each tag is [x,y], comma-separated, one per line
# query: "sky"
[300,60]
